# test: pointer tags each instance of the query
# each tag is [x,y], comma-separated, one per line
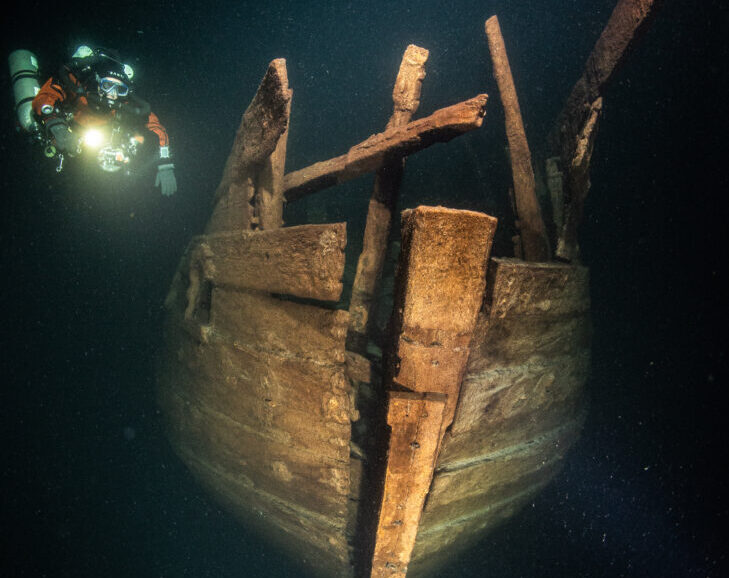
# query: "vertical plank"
[406,99]
[258,135]
[438,294]
[416,420]
[439,290]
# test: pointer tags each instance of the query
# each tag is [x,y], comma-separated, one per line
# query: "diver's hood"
[89,65]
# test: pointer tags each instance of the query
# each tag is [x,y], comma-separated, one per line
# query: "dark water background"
[89,485]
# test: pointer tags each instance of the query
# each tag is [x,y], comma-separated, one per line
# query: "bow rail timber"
[365,464]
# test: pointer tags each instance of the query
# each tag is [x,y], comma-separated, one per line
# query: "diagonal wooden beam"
[369,155]
[573,136]
[534,240]
[628,21]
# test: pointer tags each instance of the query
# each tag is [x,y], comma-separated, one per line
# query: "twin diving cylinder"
[24,77]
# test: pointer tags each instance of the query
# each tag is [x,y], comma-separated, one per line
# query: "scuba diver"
[90,108]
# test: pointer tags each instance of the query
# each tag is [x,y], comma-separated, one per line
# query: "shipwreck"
[363,453]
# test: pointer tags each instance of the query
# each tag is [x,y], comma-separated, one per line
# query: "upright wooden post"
[269,196]
[264,122]
[416,420]
[440,286]
[534,241]
[406,98]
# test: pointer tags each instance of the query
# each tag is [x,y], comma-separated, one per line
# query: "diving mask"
[113,87]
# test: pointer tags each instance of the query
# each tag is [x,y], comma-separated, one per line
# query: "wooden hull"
[521,405]
[256,392]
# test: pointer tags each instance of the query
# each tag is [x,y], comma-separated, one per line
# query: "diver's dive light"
[93,139]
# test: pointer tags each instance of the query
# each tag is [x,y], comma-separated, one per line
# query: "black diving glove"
[166,179]
[65,140]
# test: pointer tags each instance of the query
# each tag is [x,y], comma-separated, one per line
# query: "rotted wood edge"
[264,123]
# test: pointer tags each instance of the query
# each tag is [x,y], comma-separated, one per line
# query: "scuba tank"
[24,76]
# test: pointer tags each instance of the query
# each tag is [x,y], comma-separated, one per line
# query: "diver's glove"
[166,179]
[65,140]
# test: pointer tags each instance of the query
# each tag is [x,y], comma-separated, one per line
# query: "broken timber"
[257,155]
[573,137]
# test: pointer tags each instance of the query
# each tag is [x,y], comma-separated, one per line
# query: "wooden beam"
[269,197]
[628,21]
[438,295]
[305,261]
[406,99]
[263,123]
[442,126]
[578,185]
[572,139]
[534,241]
[416,420]
[439,291]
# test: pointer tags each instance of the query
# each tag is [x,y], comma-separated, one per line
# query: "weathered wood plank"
[269,196]
[578,185]
[629,19]
[317,542]
[406,99]
[416,420]
[518,288]
[534,241]
[304,261]
[442,126]
[508,406]
[500,475]
[261,127]
[521,405]
[298,477]
[279,327]
[575,130]
[507,342]
[296,402]
[438,296]
[436,545]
